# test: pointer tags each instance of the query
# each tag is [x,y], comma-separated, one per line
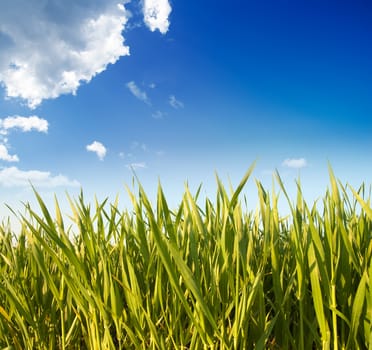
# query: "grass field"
[208,275]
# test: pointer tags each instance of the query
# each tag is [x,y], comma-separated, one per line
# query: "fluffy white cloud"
[13,177]
[156,14]
[137,92]
[4,155]
[295,163]
[25,124]
[47,48]
[98,148]
[176,104]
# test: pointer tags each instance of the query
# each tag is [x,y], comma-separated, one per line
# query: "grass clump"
[214,276]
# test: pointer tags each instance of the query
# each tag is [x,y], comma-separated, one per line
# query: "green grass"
[205,276]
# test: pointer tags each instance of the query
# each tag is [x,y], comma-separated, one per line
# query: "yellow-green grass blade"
[168,265]
[234,198]
[365,205]
[357,311]
[317,297]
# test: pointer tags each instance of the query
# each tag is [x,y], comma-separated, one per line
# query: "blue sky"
[180,90]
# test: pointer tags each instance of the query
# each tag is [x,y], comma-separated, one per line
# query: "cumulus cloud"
[4,155]
[48,49]
[98,148]
[176,104]
[137,92]
[25,124]
[295,163]
[13,177]
[156,14]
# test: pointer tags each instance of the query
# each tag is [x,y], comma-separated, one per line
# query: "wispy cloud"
[138,145]
[13,177]
[4,155]
[175,103]
[24,124]
[49,50]
[158,115]
[135,166]
[137,92]
[295,163]
[156,14]
[98,148]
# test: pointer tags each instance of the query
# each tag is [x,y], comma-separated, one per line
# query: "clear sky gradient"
[180,90]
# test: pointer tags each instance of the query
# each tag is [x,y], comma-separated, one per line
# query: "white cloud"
[48,48]
[135,166]
[158,115]
[160,153]
[98,148]
[135,145]
[13,177]
[25,124]
[4,155]
[175,103]
[295,163]
[156,14]
[137,92]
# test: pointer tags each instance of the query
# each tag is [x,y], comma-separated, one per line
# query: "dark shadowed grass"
[205,276]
